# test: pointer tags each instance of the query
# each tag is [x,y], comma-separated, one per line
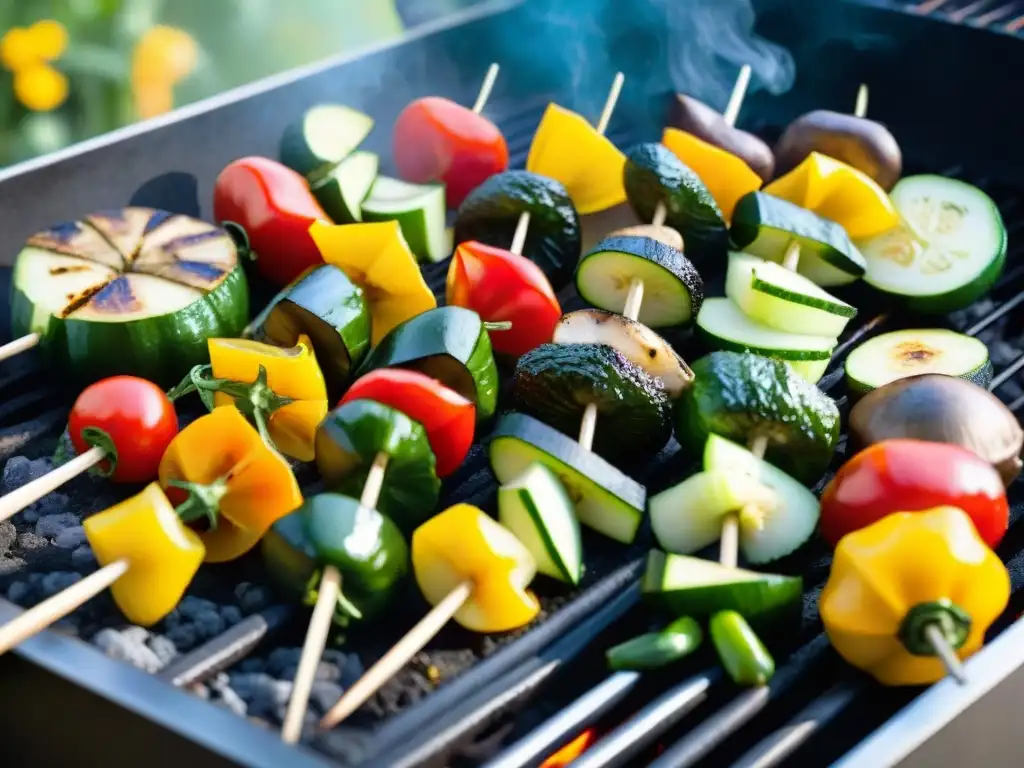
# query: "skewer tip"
[861,107]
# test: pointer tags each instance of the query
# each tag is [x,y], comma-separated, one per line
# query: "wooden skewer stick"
[486,88]
[729,542]
[860,109]
[954,667]
[320,621]
[792,258]
[30,493]
[414,640]
[16,347]
[39,617]
[739,93]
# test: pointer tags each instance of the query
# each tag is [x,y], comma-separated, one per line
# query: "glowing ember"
[571,751]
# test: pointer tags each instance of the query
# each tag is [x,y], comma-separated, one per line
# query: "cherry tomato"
[912,476]
[274,206]
[132,415]
[448,418]
[438,140]
[499,285]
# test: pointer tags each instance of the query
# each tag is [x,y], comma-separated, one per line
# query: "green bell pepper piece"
[740,650]
[348,441]
[330,529]
[657,649]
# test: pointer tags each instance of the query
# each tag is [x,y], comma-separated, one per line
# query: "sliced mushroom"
[638,343]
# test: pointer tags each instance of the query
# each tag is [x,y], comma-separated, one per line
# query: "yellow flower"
[17,49]
[49,39]
[153,99]
[40,87]
[164,54]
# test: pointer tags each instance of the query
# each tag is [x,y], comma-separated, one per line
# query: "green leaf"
[88,59]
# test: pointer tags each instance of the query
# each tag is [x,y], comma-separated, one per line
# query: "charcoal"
[18,591]
[19,471]
[130,646]
[52,504]
[83,559]
[164,649]
[184,637]
[192,607]
[224,695]
[230,614]
[263,695]
[253,665]
[10,565]
[8,535]
[70,538]
[29,542]
[253,597]
[55,582]
[283,662]
[324,695]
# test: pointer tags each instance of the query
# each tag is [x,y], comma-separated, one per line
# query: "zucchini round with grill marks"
[606,499]
[952,252]
[330,309]
[655,175]
[764,226]
[556,383]
[673,290]
[900,354]
[450,344]
[744,396]
[135,291]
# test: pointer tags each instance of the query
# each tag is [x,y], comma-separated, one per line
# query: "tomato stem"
[345,609]
[953,622]
[95,436]
[500,325]
[203,500]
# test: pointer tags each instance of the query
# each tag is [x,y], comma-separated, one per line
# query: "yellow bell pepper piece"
[725,175]
[376,257]
[464,544]
[162,553]
[567,148]
[220,468]
[291,373]
[905,570]
[839,192]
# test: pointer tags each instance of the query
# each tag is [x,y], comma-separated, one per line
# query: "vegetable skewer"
[447,607]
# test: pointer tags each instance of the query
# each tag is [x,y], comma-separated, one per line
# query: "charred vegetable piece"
[654,175]
[449,344]
[941,409]
[726,176]
[741,652]
[657,649]
[349,440]
[838,192]
[700,588]
[896,578]
[910,476]
[864,144]
[900,354]
[491,212]
[673,290]
[100,313]
[331,310]
[772,295]
[418,208]
[949,251]
[342,191]
[464,544]
[777,514]
[640,345]
[227,480]
[606,499]
[764,226]
[744,396]
[556,382]
[567,147]
[706,123]
[322,138]
[163,554]
[329,529]
[537,509]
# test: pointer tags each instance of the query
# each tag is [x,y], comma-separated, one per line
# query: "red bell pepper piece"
[913,476]
[438,140]
[499,285]
[274,206]
[448,418]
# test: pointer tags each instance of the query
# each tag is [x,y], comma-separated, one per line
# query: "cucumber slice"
[100,315]
[765,226]
[965,247]
[673,290]
[418,208]
[343,190]
[772,295]
[900,354]
[688,517]
[724,326]
[324,136]
[776,526]
[689,586]
[640,345]
[606,500]
[537,509]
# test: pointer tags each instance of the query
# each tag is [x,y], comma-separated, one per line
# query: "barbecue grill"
[512,701]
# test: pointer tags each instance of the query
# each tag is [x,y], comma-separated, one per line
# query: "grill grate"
[999,15]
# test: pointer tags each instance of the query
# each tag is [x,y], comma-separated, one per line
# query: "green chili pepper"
[741,651]
[657,649]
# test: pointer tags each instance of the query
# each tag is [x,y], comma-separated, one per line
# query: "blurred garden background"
[72,69]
